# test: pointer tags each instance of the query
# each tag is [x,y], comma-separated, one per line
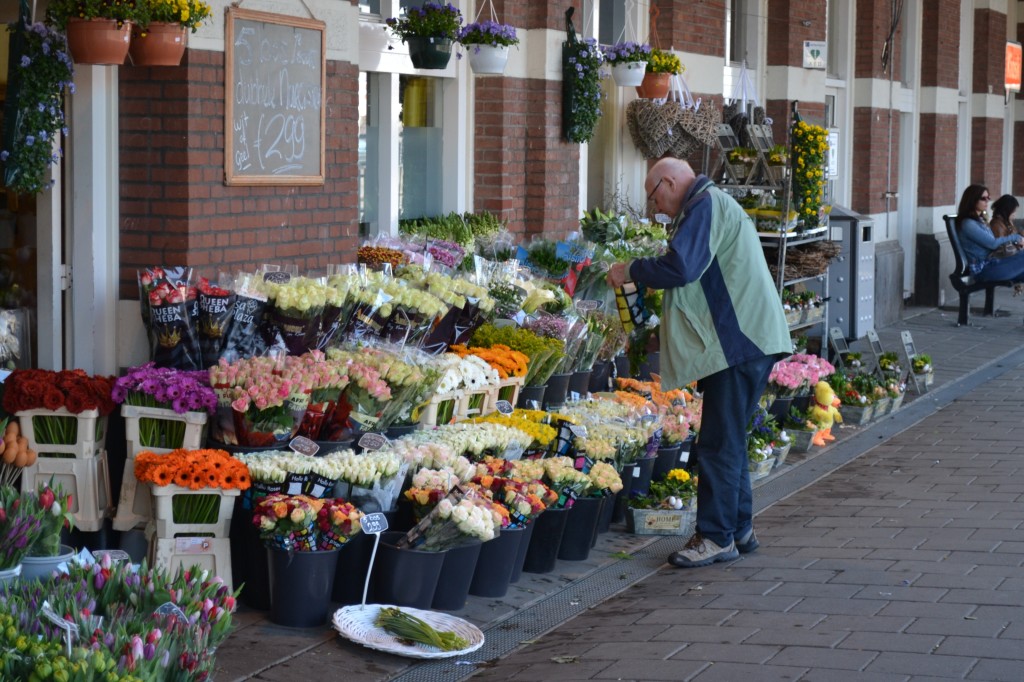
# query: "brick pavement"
[903,564]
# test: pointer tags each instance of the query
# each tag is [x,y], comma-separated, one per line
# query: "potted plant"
[487,43]
[429,32]
[921,365]
[741,161]
[669,509]
[810,142]
[41,71]
[661,66]
[160,33]
[801,430]
[52,506]
[98,31]
[628,61]
[777,156]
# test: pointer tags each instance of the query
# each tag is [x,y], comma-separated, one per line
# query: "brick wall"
[987,153]
[873,24]
[936,179]
[175,208]
[989,52]
[940,43]
[870,159]
[697,27]
[786,30]
[524,170]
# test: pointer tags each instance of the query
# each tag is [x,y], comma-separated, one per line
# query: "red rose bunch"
[34,389]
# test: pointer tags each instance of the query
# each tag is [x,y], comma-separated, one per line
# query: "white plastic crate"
[87,480]
[428,415]
[516,384]
[463,409]
[211,554]
[134,506]
[92,434]
[163,516]
[195,427]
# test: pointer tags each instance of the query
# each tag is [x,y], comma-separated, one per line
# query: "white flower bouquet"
[295,310]
[461,518]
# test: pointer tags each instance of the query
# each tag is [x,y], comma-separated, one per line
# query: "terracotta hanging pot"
[655,86]
[98,41]
[162,43]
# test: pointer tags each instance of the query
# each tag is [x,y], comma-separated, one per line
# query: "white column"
[93,220]
[49,307]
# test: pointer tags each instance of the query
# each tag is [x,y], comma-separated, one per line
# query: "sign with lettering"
[274,114]
[815,54]
[304,446]
[374,523]
[277,277]
[504,407]
[373,441]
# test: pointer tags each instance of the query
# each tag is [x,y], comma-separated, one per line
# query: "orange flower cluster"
[193,469]
[507,362]
[660,398]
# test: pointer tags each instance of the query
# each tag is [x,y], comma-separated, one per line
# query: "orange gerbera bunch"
[507,362]
[662,399]
[193,469]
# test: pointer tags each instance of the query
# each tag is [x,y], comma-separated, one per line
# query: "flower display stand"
[662,521]
[86,480]
[507,389]
[428,415]
[795,316]
[90,429]
[134,506]
[163,516]
[210,554]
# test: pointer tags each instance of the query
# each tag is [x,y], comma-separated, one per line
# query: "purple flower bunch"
[621,53]
[432,20]
[488,32]
[19,528]
[165,387]
[549,326]
[446,253]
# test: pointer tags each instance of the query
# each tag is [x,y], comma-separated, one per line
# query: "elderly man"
[723,325]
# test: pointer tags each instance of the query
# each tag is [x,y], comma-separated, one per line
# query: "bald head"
[667,183]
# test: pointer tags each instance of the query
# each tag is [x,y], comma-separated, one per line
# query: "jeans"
[724,499]
[999,269]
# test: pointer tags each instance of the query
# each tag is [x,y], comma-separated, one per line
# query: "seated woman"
[1003,210]
[981,248]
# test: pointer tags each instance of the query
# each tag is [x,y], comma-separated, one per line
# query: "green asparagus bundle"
[409,628]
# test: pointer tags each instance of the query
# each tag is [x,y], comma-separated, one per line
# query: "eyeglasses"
[654,191]
[982,199]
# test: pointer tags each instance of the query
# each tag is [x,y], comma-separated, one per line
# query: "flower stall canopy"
[274,138]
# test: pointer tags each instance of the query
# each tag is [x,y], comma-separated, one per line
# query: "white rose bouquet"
[461,518]
[296,307]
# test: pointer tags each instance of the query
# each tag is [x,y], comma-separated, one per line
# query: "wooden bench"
[964,282]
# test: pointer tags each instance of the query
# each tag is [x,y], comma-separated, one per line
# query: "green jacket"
[721,307]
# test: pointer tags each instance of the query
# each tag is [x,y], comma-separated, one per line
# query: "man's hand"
[618,275]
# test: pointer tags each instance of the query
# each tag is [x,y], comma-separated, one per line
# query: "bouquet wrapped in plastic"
[170,312]
[461,518]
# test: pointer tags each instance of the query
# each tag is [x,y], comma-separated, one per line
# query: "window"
[613,22]
[420,147]
[369,154]
[740,44]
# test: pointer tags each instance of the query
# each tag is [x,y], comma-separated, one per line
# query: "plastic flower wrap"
[337,522]
[561,476]
[505,361]
[523,501]
[293,474]
[295,311]
[461,518]
[544,353]
[604,479]
[288,521]
[245,337]
[429,486]
[170,314]
[260,401]
[327,380]
[540,435]
[474,440]
[674,429]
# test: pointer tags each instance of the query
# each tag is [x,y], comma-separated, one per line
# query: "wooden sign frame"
[231,35]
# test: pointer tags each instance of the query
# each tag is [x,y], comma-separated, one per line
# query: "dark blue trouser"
[998,269]
[724,499]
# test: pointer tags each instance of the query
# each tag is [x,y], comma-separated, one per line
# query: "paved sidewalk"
[902,564]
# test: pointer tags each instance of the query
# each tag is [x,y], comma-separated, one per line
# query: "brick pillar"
[524,170]
[940,64]
[790,23]
[987,79]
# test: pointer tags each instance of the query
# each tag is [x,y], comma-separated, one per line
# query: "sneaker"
[699,551]
[748,543]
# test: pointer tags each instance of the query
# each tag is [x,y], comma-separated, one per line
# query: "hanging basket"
[629,74]
[488,59]
[429,52]
[162,43]
[98,41]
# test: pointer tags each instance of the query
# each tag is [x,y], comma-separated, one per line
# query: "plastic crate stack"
[172,544]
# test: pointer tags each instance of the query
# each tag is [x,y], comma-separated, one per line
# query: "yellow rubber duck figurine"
[823,412]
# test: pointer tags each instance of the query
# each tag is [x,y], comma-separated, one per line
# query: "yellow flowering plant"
[662,61]
[777,155]
[188,13]
[60,12]
[810,143]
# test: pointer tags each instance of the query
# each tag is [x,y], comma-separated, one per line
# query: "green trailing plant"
[581,83]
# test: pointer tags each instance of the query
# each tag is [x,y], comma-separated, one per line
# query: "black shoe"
[748,543]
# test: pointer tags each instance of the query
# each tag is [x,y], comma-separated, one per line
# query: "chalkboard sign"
[273,99]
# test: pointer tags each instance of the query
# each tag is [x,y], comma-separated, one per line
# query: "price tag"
[70,629]
[373,441]
[636,473]
[578,431]
[374,523]
[304,446]
[277,277]
[504,407]
[684,456]
[192,545]
[588,305]
[171,609]
[648,419]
